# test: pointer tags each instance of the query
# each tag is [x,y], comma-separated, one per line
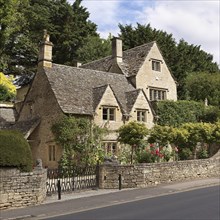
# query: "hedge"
[15,151]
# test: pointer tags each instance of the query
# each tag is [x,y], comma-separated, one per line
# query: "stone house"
[111,91]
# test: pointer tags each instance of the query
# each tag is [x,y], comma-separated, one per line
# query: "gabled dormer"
[139,108]
[107,109]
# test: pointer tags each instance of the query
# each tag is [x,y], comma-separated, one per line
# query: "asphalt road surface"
[199,204]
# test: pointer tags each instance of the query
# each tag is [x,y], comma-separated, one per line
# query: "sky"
[195,21]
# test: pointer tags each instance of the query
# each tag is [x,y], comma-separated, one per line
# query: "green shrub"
[185,154]
[203,154]
[15,151]
[145,157]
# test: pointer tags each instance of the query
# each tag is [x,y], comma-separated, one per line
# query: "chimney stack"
[117,49]
[45,52]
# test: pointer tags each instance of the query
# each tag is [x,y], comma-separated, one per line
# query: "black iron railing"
[71,179]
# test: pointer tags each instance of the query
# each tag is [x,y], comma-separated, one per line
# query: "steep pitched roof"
[74,87]
[26,127]
[132,60]
[131,98]
[97,95]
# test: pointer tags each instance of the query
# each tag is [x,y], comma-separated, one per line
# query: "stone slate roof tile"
[131,98]
[26,127]
[74,87]
[97,95]
[132,60]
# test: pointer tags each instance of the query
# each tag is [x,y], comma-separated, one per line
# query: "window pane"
[112,114]
[159,95]
[50,153]
[151,94]
[141,115]
[54,153]
[155,95]
[105,114]
[156,65]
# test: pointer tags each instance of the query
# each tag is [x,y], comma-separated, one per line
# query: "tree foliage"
[22,25]
[182,58]
[176,113]
[202,85]
[160,134]
[132,133]
[187,136]
[7,89]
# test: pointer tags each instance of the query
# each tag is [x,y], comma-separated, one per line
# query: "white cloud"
[197,22]
[104,14]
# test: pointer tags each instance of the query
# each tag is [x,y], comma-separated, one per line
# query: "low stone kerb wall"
[143,175]
[19,189]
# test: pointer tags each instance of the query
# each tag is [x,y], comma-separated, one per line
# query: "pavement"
[91,199]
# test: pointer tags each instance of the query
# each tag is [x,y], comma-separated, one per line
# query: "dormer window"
[108,113]
[156,65]
[141,115]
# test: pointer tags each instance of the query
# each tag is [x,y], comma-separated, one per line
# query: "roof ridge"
[140,46]
[151,42]
[94,70]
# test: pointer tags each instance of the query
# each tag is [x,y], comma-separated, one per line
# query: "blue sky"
[196,21]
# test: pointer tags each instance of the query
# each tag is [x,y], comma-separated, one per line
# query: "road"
[199,204]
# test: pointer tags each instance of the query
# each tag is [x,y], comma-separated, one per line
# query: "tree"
[80,140]
[7,89]
[203,85]
[22,25]
[94,48]
[160,135]
[132,134]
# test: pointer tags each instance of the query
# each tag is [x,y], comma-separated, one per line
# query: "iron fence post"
[119,182]
[59,189]
[97,175]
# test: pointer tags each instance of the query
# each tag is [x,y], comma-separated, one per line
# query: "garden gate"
[71,179]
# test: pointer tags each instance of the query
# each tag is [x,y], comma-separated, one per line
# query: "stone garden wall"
[19,189]
[143,175]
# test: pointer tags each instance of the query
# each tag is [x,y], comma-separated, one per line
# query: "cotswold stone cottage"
[111,91]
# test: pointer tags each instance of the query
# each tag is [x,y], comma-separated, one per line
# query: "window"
[141,115]
[108,114]
[156,65]
[52,153]
[110,148]
[157,94]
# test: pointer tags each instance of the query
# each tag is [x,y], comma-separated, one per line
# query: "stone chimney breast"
[45,52]
[117,49]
